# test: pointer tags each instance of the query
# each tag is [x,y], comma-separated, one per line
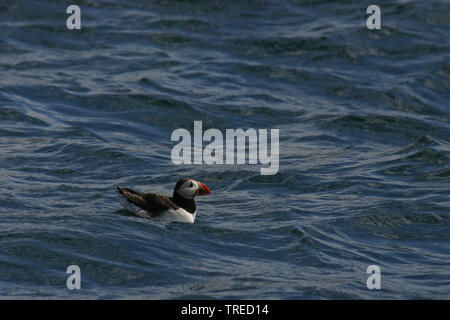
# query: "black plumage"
[157,203]
[180,207]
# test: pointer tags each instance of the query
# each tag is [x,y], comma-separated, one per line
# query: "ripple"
[364,149]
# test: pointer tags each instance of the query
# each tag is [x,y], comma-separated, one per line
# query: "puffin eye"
[192,184]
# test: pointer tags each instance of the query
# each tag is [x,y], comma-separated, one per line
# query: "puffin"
[178,208]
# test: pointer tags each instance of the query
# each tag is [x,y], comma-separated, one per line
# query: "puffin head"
[190,188]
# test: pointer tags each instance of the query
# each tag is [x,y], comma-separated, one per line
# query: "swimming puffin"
[178,208]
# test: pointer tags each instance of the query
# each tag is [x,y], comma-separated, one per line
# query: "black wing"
[154,203]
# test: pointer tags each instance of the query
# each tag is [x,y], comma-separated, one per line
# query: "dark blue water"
[364,120]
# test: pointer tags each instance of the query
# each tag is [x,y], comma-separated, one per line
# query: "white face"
[188,189]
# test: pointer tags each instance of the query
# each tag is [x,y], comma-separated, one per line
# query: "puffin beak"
[202,190]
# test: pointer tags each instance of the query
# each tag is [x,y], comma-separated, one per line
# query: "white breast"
[179,215]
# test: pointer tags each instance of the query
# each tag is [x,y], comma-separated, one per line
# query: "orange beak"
[203,190]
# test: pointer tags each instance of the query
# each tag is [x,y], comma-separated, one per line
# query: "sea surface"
[364,137]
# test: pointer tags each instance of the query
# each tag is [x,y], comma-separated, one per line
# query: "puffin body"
[178,208]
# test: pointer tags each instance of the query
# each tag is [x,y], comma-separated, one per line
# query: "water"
[364,148]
